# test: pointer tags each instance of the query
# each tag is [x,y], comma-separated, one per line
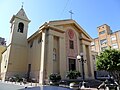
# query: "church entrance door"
[72,64]
[28,73]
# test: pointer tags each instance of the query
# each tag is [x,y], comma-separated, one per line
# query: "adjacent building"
[2,48]
[106,38]
[53,48]
[2,41]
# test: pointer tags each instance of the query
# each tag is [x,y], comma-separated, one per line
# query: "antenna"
[71,13]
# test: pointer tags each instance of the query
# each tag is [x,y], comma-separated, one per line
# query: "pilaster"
[49,55]
[85,63]
[41,78]
[62,57]
[91,62]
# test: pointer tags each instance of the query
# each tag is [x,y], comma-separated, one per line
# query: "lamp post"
[80,59]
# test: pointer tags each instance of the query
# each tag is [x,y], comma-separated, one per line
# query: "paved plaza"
[13,86]
[46,88]
[8,86]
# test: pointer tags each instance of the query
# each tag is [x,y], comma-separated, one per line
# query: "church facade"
[53,48]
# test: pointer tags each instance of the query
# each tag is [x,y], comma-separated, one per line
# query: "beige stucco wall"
[18,57]
[34,57]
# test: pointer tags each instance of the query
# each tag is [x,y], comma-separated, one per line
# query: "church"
[53,48]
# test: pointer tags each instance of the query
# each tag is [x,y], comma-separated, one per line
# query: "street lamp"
[80,59]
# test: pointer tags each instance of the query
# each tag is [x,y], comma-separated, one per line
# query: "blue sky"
[89,14]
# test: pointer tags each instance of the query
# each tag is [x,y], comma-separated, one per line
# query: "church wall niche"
[56,68]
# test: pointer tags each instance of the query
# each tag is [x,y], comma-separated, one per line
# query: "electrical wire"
[65,7]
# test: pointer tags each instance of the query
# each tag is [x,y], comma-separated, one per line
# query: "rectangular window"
[39,39]
[102,32]
[31,44]
[115,45]
[72,64]
[103,48]
[71,43]
[103,41]
[113,38]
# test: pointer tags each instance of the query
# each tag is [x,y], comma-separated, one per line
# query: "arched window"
[20,27]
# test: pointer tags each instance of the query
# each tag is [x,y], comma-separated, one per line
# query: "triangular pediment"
[61,23]
[58,25]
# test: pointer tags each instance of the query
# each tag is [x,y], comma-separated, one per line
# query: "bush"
[73,74]
[12,79]
[55,77]
[15,78]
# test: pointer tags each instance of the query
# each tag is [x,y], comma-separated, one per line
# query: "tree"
[109,60]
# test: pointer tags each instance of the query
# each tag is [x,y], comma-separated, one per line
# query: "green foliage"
[16,77]
[109,60]
[55,77]
[73,74]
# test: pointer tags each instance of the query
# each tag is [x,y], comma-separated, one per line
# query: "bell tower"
[17,49]
[19,28]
